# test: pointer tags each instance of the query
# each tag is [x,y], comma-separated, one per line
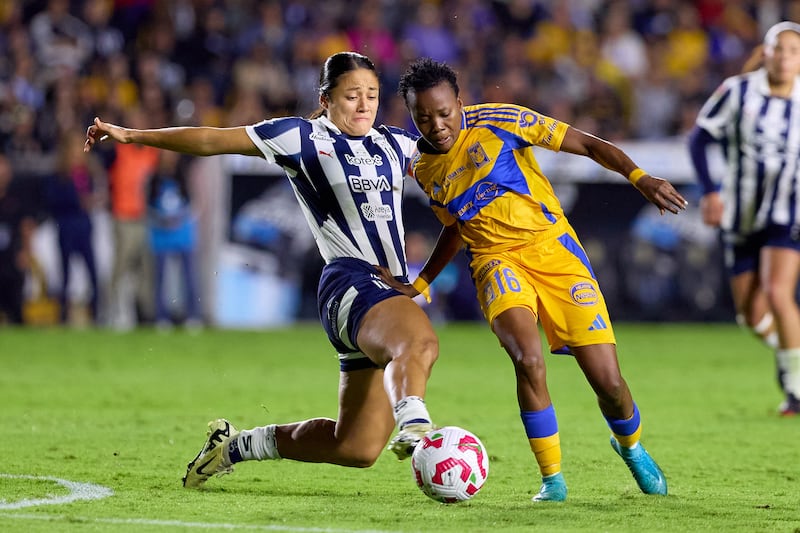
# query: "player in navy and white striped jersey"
[348,178]
[755,117]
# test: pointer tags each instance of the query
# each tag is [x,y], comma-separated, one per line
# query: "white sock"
[411,410]
[772,340]
[257,443]
[761,329]
[789,363]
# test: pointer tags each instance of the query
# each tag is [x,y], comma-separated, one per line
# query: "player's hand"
[101,131]
[389,279]
[662,194]
[711,207]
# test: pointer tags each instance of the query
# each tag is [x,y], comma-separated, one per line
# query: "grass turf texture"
[128,411]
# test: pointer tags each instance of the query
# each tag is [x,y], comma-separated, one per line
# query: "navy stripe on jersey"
[499,114]
[718,106]
[404,165]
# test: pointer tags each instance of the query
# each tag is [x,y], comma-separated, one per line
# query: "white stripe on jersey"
[350,189]
[761,135]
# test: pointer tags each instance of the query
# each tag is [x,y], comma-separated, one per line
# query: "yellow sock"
[629,440]
[548,454]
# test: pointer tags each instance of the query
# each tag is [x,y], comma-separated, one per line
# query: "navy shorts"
[348,288]
[743,255]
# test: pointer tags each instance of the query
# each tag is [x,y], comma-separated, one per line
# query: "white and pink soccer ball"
[450,464]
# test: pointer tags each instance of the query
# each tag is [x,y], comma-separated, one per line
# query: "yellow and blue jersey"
[490,181]
[523,251]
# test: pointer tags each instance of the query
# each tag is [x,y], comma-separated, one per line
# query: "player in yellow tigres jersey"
[486,188]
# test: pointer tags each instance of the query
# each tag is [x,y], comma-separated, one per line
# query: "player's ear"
[323,101]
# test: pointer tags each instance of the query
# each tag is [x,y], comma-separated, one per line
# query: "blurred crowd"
[623,69]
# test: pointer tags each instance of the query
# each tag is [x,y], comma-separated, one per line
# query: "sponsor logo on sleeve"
[528,118]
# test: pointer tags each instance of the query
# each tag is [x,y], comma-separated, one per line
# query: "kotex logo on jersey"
[584,293]
[359,161]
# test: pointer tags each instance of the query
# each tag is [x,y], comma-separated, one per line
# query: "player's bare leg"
[518,333]
[397,334]
[356,438]
[600,365]
[779,272]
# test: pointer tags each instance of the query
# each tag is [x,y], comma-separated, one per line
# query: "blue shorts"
[743,255]
[348,288]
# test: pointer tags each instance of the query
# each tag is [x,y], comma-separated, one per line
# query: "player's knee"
[527,362]
[780,299]
[362,456]
[613,389]
[423,349]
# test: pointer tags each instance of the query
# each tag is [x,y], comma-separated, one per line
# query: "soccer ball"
[450,464]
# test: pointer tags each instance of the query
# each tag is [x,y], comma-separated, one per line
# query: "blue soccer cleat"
[554,489]
[645,471]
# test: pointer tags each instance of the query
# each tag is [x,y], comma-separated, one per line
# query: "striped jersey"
[349,188]
[489,181]
[760,138]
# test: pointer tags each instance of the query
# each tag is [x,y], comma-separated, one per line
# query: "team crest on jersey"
[478,155]
[528,118]
[373,212]
[584,293]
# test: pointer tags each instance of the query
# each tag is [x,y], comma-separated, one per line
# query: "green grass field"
[128,411]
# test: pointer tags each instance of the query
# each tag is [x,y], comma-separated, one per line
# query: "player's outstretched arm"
[200,141]
[658,191]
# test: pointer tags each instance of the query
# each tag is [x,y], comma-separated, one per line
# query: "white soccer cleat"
[210,461]
[406,440]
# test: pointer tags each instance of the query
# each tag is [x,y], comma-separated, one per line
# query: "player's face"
[353,104]
[437,114]
[783,59]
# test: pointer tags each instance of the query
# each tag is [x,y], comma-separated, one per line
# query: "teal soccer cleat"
[554,489]
[645,471]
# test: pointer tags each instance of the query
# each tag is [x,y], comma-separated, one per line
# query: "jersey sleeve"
[276,137]
[719,110]
[408,146]
[536,129]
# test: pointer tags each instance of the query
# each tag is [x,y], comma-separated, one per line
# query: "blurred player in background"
[16,232]
[755,117]
[348,176]
[485,186]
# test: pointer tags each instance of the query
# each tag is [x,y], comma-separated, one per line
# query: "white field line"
[178,523]
[91,491]
[77,491]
